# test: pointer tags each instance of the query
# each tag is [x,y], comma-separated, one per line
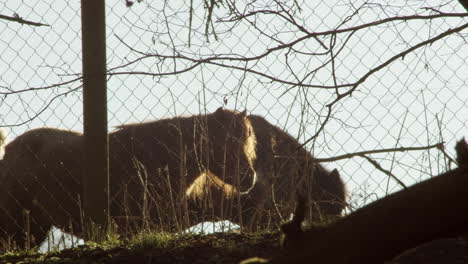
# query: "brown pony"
[285,168]
[152,165]
[41,184]
[171,154]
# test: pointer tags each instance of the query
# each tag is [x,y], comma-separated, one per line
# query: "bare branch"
[236,57]
[387,172]
[381,66]
[338,31]
[439,146]
[216,59]
[20,20]
[11,91]
[43,108]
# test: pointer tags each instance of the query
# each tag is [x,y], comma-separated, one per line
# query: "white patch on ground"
[58,240]
[213,227]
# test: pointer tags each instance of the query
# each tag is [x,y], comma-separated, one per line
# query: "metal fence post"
[96,162]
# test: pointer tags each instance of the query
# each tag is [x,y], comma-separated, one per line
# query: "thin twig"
[20,20]
[387,172]
[439,146]
[378,68]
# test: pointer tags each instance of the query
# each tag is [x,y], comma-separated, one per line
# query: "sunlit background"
[417,100]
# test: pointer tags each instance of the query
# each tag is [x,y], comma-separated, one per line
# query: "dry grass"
[161,248]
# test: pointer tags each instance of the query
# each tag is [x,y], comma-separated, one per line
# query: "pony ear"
[244,113]
[335,173]
[219,111]
[461,149]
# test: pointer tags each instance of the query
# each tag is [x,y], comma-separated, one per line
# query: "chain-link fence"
[342,77]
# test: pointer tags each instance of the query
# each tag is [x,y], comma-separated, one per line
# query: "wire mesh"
[287,61]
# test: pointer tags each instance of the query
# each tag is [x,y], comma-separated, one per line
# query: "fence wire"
[344,74]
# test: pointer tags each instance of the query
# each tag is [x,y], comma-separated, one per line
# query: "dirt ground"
[215,248]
